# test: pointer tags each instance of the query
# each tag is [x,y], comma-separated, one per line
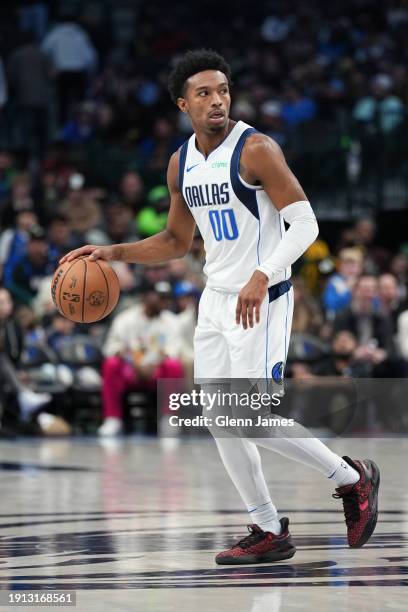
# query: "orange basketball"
[85,291]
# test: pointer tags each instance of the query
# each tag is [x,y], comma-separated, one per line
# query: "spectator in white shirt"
[142,346]
[73,57]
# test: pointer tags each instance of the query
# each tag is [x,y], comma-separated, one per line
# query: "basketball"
[85,291]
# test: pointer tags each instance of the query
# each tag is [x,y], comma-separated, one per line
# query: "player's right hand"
[251,297]
[94,252]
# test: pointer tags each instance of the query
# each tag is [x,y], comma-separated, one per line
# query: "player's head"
[200,86]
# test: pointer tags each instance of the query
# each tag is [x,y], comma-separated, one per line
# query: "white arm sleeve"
[302,232]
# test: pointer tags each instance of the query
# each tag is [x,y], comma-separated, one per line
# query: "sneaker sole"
[369,528]
[270,557]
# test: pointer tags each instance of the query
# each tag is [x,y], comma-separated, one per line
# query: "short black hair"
[191,63]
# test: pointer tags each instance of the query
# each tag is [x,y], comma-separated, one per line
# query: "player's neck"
[207,142]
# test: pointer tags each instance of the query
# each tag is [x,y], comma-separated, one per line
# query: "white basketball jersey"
[239,224]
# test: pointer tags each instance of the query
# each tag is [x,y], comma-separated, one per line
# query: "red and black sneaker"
[259,547]
[360,502]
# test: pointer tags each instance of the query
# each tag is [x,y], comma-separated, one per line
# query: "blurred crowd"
[86,75]
[86,131]
[354,301]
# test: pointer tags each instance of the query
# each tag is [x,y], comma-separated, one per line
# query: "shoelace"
[350,505]
[254,537]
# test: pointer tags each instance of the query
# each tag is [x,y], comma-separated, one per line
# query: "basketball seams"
[107,288]
[90,279]
[60,308]
[83,290]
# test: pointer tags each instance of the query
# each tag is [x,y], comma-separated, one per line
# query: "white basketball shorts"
[223,349]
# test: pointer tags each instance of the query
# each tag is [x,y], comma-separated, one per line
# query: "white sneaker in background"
[111,426]
[64,375]
[29,402]
[89,377]
[53,425]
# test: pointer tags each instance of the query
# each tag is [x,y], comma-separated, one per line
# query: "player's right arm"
[173,242]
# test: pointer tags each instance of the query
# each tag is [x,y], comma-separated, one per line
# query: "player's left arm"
[262,162]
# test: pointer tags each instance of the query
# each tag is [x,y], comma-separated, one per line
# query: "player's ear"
[182,104]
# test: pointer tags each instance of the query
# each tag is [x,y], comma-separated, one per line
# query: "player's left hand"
[251,297]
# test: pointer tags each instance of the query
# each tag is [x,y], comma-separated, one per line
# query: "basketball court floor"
[135,525]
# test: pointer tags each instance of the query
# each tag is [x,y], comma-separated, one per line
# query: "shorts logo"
[277,372]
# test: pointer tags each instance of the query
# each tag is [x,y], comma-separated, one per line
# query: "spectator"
[60,330]
[60,237]
[399,268]
[342,360]
[13,242]
[390,301]
[187,296]
[152,219]
[178,271]
[380,106]
[376,258]
[106,129]
[52,187]
[83,213]
[33,331]
[363,319]
[119,223]
[20,198]
[11,346]
[297,108]
[317,264]
[73,57]
[4,127]
[338,291]
[157,148]
[10,330]
[307,316]
[7,174]
[131,190]
[402,334]
[155,273]
[271,121]
[81,127]
[29,73]
[33,266]
[140,348]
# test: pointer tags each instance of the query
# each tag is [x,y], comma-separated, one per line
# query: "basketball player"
[234,183]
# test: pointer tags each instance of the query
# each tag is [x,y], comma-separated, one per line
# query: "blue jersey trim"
[259,241]
[182,163]
[281,222]
[244,194]
[275,292]
[266,345]
[279,289]
[286,323]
